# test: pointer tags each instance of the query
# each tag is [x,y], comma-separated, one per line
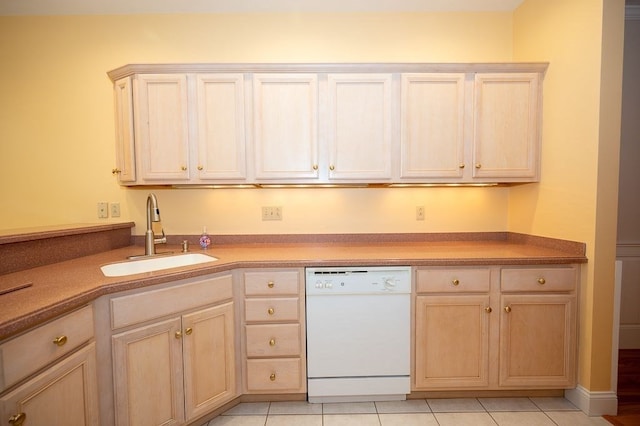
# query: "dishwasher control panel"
[358,280]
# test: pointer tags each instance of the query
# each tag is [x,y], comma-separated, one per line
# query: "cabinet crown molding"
[385,67]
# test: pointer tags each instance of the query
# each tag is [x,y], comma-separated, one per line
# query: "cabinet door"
[538,341]
[452,341]
[125,147]
[221,132]
[359,128]
[162,126]
[209,359]
[506,121]
[432,126]
[148,375]
[65,394]
[285,115]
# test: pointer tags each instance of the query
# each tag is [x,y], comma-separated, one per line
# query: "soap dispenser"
[205,241]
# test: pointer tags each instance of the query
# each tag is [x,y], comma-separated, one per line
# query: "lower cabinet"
[178,368]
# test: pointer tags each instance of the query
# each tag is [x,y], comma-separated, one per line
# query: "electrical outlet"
[115,209]
[420,213]
[103,210]
[272,213]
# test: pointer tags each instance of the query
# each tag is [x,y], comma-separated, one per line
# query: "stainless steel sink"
[154,263]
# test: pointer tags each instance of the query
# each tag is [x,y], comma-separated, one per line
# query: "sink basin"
[154,264]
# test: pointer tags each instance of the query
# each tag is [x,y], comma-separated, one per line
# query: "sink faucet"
[153,215]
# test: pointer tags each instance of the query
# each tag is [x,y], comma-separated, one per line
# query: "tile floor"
[430,412]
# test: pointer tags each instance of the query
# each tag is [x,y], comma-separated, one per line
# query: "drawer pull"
[507,309]
[178,334]
[188,331]
[541,281]
[60,340]
[488,309]
[455,282]
[272,342]
[272,377]
[17,419]
[270,284]
[271,311]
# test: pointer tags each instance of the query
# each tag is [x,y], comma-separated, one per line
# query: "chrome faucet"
[153,215]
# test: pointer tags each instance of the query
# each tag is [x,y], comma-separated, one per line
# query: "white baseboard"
[593,403]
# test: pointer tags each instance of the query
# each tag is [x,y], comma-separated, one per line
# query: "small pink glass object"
[205,241]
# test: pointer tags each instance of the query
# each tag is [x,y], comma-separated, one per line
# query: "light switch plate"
[103,210]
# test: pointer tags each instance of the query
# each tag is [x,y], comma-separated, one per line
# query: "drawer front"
[266,283]
[29,352]
[272,309]
[453,280]
[273,340]
[269,375]
[148,305]
[538,279]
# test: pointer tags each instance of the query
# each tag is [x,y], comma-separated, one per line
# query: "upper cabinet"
[327,123]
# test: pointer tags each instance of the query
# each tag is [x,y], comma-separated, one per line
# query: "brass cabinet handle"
[541,281]
[478,165]
[183,168]
[272,342]
[461,165]
[178,334]
[455,282]
[488,309]
[271,311]
[60,340]
[115,171]
[507,309]
[200,168]
[272,377]
[315,167]
[17,419]
[271,284]
[188,331]
[332,167]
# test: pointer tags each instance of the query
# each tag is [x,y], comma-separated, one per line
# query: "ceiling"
[94,7]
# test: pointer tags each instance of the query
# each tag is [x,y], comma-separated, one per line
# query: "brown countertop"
[53,289]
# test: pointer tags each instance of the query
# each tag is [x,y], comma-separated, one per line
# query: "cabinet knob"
[541,281]
[271,311]
[116,171]
[332,167]
[461,165]
[455,282]
[507,309]
[270,284]
[188,331]
[488,309]
[17,419]
[200,168]
[183,168]
[272,342]
[178,334]
[315,167]
[478,165]
[60,340]
[272,377]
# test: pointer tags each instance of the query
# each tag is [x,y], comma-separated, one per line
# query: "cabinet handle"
[183,168]
[455,282]
[272,342]
[461,165]
[507,309]
[200,168]
[315,167]
[478,165]
[17,419]
[188,331]
[60,340]
[271,311]
[541,281]
[116,171]
[178,334]
[272,377]
[332,167]
[270,284]
[488,309]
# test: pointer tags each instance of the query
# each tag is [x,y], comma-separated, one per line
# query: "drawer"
[453,280]
[272,309]
[273,340]
[31,351]
[265,283]
[538,279]
[267,375]
[153,304]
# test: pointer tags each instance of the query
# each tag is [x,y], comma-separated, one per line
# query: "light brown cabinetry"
[495,328]
[65,390]
[175,360]
[274,335]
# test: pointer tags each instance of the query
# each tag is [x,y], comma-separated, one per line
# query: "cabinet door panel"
[537,341]
[162,128]
[285,114]
[125,145]
[359,126]
[432,128]
[148,375]
[209,359]
[452,342]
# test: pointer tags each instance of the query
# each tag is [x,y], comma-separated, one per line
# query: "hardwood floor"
[628,389]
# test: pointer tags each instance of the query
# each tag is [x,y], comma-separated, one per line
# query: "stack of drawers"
[274,332]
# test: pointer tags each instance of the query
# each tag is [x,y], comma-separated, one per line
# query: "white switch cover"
[272,213]
[115,209]
[103,210]
[420,213]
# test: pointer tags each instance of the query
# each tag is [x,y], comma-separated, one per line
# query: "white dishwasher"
[358,333]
